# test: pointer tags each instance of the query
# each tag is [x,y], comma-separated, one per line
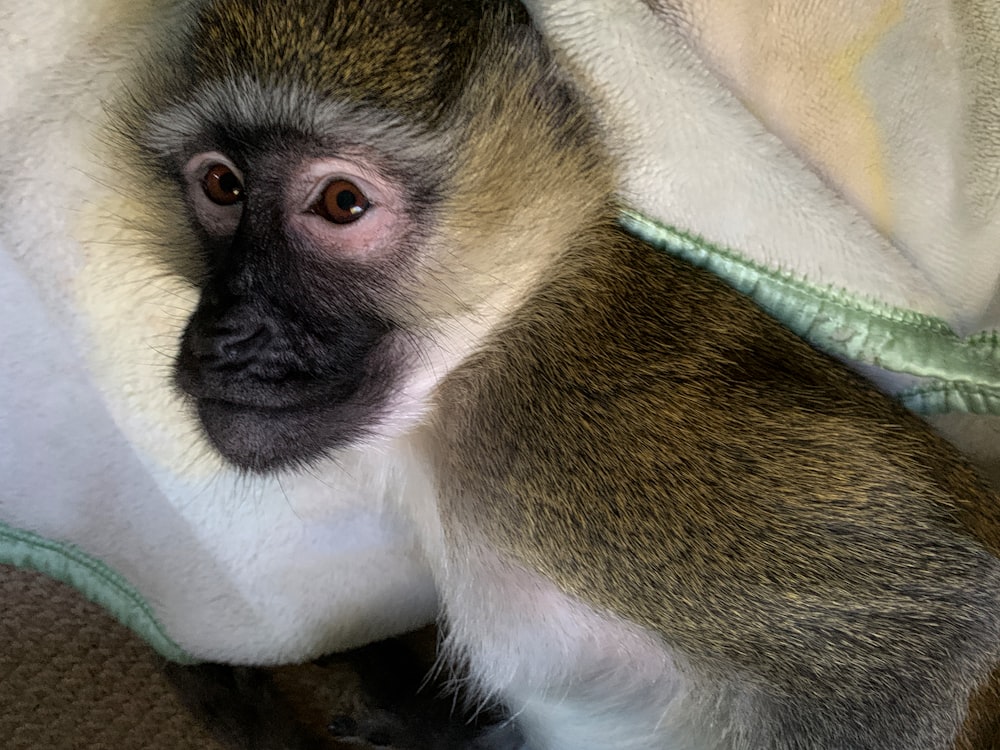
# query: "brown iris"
[341,202]
[222,186]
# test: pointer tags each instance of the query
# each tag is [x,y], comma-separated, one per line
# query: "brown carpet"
[73,678]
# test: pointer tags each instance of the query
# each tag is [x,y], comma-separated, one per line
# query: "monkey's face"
[310,171]
[369,192]
[293,348]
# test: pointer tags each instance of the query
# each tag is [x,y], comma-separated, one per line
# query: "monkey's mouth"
[281,408]
[286,420]
[276,410]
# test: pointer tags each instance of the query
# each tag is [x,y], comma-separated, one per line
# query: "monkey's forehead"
[243,106]
[408,55]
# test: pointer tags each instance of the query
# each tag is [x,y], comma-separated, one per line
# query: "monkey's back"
[666,452]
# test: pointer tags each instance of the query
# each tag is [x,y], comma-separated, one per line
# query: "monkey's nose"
[230,345]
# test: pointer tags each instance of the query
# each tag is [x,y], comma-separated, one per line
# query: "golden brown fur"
[420,60]
[664,451]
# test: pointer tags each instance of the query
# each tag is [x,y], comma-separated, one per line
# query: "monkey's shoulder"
[651,440]
[625,359]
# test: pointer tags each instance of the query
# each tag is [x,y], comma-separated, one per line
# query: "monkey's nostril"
[239,344]
[229,346]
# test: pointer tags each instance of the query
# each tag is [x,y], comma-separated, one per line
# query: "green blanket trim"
[941,398]
[964,372]
[93,579]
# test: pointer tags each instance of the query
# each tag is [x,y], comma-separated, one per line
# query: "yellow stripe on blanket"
[798,67]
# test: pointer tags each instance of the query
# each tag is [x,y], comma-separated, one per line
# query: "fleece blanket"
[837,161]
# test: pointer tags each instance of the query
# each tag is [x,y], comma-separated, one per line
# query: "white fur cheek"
[430,356]
[410,404]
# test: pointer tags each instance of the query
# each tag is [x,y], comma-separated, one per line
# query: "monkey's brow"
[248,104]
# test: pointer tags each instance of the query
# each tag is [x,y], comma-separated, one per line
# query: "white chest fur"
[574,677]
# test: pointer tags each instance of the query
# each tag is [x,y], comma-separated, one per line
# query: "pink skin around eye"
[373,234]
[216,219]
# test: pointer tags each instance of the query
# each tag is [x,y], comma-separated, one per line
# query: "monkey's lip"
[283,396]
[226,405]
[264,438]
[260,438]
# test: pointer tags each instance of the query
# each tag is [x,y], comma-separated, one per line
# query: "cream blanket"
[838,161]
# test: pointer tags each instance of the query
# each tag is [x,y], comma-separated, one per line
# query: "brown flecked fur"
[648,439]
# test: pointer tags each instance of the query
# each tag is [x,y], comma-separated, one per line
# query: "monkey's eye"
[341,202]
[222,186]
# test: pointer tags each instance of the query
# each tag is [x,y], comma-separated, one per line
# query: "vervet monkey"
[657,518]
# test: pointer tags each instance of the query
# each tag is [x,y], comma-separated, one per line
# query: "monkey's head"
[370,187]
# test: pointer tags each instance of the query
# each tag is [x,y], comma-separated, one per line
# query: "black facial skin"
[276,388]
[283,364]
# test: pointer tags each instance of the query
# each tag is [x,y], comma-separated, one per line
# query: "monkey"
[657,519]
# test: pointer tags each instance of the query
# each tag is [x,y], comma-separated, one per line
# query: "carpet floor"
[73,678]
